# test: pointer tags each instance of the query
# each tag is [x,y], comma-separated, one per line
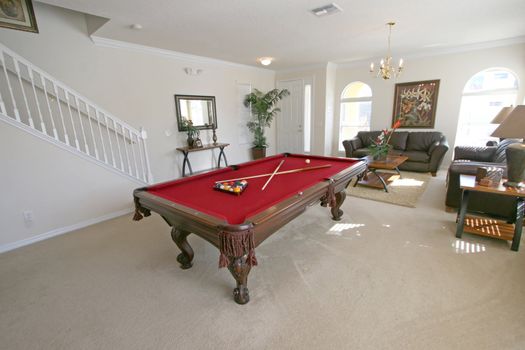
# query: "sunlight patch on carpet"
[404,191]
[337,229]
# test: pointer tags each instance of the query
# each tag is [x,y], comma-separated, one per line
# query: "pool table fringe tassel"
[236,245]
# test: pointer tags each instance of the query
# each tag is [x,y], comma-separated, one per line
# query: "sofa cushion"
[361,152]
[417,156]
[395,152]
[367,137]
[399,140]
[422,140]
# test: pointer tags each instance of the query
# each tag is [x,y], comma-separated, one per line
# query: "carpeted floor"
[384,277]
[404,191]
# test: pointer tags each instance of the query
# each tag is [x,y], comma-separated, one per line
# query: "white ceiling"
[242,30]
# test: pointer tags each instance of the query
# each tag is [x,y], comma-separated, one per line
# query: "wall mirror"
[199,109]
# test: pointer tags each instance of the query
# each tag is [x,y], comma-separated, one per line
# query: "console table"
[187,150]
[490,227]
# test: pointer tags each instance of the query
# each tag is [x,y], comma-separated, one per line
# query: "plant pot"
[258,153]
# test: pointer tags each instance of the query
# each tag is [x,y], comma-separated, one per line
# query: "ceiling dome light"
[136,26]
[265,61]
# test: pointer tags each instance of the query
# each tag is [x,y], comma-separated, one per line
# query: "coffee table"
[381,179]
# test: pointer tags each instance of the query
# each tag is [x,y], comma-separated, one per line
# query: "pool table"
[237,224]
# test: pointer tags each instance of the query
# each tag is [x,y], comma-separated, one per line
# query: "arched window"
[356,110]
[483,97]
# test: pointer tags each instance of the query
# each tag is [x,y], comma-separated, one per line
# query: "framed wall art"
[18,14]
[415,104]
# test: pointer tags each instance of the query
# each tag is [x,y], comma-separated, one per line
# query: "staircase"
[34,101]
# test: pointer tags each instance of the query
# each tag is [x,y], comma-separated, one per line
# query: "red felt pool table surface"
[197,192]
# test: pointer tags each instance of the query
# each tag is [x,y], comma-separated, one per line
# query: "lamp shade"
[513,126]
[502,115]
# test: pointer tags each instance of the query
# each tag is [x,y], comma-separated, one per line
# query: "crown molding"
[117,44]
[443,51]
[303,68]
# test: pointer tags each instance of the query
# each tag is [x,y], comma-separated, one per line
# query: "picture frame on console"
[415,104]
[18,14]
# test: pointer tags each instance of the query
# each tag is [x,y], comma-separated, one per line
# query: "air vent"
[326,10]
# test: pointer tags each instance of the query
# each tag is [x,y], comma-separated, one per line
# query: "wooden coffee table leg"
[380,179]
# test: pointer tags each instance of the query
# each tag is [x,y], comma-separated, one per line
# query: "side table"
[187,150]
[490,227]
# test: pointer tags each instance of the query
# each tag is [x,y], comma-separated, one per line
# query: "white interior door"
[290,128]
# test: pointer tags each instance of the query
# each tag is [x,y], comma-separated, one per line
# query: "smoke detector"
[326,10]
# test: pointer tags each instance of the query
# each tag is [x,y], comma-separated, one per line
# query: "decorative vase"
[190,141]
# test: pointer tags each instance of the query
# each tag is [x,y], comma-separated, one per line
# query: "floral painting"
[18,14]
[415,104]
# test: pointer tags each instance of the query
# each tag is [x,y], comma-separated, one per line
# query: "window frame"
[350,100]
[465,127]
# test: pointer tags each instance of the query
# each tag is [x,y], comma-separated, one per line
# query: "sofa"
[466,161]
[425,149]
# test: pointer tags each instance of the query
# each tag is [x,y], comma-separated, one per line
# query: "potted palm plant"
[192,131]
[263,110]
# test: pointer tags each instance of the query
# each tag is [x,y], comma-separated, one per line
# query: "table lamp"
[502,115]
[513,126]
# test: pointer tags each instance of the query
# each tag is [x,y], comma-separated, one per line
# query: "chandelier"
[386,70]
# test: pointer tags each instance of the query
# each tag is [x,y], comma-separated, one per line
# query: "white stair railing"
[34,101]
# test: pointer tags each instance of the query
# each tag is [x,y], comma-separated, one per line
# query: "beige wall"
[60,188]
[137,88]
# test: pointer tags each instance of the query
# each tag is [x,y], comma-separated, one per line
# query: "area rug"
[404,191]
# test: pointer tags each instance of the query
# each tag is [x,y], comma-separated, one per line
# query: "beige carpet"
[384,277]
[404,191]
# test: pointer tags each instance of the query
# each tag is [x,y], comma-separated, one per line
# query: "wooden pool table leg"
[240,270]
[339,199]
[186,255]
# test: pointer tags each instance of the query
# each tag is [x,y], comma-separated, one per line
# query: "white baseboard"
[62,230]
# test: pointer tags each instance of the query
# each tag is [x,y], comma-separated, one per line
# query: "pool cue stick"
[271,177]
[279,173]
